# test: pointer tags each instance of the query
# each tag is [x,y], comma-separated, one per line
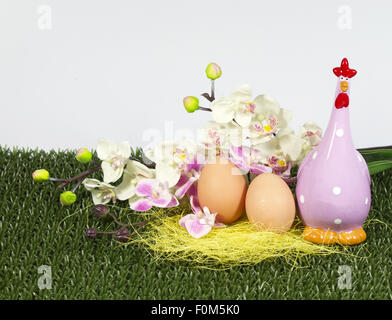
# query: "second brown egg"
[222,188]
[270,203]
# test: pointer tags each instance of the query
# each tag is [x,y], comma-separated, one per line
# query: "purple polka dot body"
[333,181]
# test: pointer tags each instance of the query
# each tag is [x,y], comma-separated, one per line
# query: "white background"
[114,69]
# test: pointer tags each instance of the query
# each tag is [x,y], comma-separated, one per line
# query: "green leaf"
[378,166]
[371,155]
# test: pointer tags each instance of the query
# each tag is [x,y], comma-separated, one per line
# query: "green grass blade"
[378,166]
[97,269]
[371,155]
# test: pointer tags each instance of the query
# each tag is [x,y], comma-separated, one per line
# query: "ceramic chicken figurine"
[333,188]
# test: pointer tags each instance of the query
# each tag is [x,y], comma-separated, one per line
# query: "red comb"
[344,70]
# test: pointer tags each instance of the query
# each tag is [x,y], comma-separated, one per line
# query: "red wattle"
[342,100]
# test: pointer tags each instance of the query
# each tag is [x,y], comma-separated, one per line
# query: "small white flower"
[268,120]
[238,106]
[133,172]
[114,158]
[171,158]
[267,149]
[290,144]
[311,131]
[208,218]
[285,145]
[152,193]
[311,135]
[102,192]
[220,136]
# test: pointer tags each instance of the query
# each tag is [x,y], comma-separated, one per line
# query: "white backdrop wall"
[74,71]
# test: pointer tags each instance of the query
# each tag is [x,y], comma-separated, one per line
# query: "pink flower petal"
[289,180]
[194,165]
[183,179]
[283,172]
[185,187]
[240,157]
[192,191]
[240,163]
[195,204]
[190,216]
[162,201]
[259,169]
[219,225]
[237,151]
[195,229]
[145,187]
[141,205]
[173,202]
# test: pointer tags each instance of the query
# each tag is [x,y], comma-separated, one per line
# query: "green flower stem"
[106,232]
[209,97]
[213,90]
[142,224]
[116,221]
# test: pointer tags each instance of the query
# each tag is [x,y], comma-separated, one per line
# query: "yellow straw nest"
[237,244]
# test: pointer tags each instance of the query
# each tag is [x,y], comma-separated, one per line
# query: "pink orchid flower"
[189,175]
[152,193]
[247,160]
[200,224]
[281,168]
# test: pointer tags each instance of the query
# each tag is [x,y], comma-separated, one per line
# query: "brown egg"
[222,188]
[270,203]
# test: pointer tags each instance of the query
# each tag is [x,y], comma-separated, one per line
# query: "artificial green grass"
[31,235]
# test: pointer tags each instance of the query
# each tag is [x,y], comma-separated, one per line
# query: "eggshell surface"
[222,188]
[270,203]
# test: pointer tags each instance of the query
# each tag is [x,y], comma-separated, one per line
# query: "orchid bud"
[91,233]
[67,198]
[83,155]
[213,71]
[191,104]
[40,175]
[100,210]
[122,235]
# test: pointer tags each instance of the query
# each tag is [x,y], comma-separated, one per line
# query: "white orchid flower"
[290,144]
[238,106]
[220,136]
[102,192]
[152,193]
[248,160]
[171,158]
[208,218]
[133,173]
[114,158]
[267,149]
[311,135]
[285,145]
[268,120]
[270,154]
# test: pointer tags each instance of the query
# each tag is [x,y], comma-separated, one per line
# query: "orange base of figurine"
[317,235]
